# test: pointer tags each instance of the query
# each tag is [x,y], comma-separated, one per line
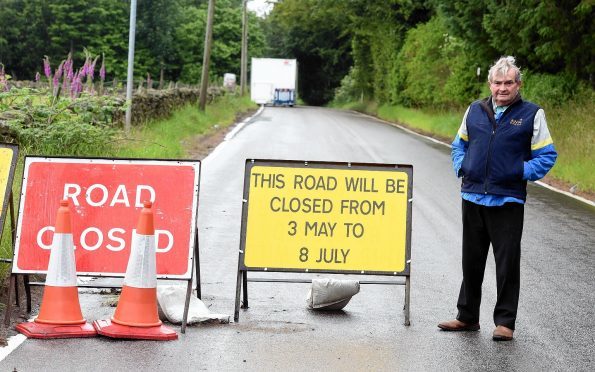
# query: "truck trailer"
[273,81]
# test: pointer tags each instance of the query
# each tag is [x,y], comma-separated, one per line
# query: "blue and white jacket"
[497,157]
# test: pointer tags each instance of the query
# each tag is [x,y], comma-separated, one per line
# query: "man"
[503,141]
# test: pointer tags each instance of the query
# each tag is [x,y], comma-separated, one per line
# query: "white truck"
[273,81]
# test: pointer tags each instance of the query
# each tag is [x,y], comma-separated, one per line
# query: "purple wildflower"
[57,76]
[47,69]
[70,74]
[72,86]
[68,67]
[83,70]
[58,72]
[37,77]
[65,84]
[92,68]
[102,69]
[76,86]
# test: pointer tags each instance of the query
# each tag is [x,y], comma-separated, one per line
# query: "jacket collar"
[486,104]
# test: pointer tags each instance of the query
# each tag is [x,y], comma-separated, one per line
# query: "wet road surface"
[555,326]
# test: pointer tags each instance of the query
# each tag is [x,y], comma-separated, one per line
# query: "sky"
[261,7]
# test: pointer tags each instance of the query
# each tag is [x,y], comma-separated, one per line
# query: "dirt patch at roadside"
[198,147]
[18,314]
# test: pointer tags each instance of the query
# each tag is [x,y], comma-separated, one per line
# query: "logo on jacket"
[516,122]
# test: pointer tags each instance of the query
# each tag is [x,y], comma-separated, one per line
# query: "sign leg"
[245,283]
[13,236]
[236,314]
[17,302]
[407,299]
[13,278]
[27,291]
[197,265]
[8,300]
[186,305]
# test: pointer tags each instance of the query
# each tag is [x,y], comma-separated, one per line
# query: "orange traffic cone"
[60,314]
[136,315]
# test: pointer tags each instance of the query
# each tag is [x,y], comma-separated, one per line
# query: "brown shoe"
[502,333]
[457,325]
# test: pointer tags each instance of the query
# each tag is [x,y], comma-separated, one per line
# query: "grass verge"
[165,139]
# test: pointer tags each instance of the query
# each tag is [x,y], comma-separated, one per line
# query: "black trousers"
[503,228]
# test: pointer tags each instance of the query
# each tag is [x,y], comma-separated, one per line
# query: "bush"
[549,90]
[348,90]
[436,67]
[423,67]
[59,126]
[462,85]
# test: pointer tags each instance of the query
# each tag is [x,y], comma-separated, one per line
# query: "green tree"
[189,42]
[435,67]
[464,19]
[546,35]
[24,29]
[227,39]
[156,28]
[227,36]
[423,67]
[100,26]
[314,32]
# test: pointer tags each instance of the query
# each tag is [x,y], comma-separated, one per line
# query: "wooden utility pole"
[204,81]
[244,58]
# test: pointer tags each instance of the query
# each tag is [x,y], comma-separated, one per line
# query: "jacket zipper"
[494,127]
[487,169]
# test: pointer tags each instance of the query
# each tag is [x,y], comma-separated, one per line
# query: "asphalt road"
[555,326]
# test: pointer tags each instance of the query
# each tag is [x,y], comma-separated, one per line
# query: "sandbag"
[331,294]
[171,299]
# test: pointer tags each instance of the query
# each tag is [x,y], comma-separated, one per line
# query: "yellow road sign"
[8,159]
[327,217]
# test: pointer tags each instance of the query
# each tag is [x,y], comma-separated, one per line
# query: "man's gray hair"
[502,66]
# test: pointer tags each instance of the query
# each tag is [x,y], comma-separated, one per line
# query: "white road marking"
[13,342]
[232,134]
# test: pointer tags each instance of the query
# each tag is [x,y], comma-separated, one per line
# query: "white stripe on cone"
[62,267]
[141,270]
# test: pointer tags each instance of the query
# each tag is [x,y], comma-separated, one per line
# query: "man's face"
[504,87]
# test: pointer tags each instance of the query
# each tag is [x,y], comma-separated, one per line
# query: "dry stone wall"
[156,104]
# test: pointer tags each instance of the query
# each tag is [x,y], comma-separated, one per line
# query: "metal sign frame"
[243,269]
[193,253]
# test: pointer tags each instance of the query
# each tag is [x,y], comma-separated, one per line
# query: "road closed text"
[105,199]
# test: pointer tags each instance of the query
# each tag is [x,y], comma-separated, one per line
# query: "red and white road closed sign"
[106,196]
